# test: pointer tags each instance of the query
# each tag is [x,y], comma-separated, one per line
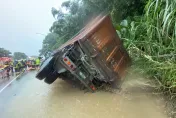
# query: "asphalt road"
[28,97]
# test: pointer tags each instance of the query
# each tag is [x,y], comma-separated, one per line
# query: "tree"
[19,55]
[50,43]
[4,53]
[119,9]
[80,12]
[68,24]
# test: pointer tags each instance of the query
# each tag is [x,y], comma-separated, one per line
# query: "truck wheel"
[42,74]
[45,68]
[51,78]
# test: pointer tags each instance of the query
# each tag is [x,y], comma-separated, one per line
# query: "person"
[11,66]
[8,72]
[37,62]
[23,64]
[28,63]
[33,64]
[16,66]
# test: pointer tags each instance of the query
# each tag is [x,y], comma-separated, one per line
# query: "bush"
[151,41]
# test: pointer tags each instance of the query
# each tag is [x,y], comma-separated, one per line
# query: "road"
[28,97]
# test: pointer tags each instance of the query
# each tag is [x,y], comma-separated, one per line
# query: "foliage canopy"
[79,12]
[19,55]
[4,53]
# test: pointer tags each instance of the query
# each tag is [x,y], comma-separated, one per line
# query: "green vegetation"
[19,55]
[50,43]
[151,41]
[4,53]
[149,32]
[16,55]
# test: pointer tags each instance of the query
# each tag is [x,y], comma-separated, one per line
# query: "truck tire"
[43,74]
[51,77]
[45,69]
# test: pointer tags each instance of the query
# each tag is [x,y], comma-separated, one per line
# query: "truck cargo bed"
[99,39]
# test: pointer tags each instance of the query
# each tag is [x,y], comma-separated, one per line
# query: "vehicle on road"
[94,56]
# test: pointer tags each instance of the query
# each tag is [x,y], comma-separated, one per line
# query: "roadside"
[170,101]
[5,81]
[139,83]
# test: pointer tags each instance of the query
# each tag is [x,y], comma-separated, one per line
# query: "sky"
[24,24]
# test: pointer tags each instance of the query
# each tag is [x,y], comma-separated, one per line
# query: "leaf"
[124,23]
[166,21]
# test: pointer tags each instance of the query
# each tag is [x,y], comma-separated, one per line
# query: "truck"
[94,56]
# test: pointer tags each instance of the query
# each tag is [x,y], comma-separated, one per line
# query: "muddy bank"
[151,87]
[170,102]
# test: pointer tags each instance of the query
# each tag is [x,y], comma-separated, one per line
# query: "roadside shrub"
[151,41]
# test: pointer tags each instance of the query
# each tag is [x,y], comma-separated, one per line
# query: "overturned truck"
[94,56]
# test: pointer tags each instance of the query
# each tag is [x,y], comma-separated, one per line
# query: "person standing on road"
[20,66]
[33,63]
[23,63]
[37,62]
[8,72]
[11,66]
[16,65]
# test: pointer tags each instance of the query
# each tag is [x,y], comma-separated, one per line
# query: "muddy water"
[31,98]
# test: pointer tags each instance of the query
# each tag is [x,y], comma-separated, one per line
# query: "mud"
[31,98]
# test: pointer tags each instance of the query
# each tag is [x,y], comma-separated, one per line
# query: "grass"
[151,42]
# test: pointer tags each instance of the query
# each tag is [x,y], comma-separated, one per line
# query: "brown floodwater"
[28,97]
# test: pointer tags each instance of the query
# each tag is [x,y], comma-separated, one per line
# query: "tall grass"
[151,41]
